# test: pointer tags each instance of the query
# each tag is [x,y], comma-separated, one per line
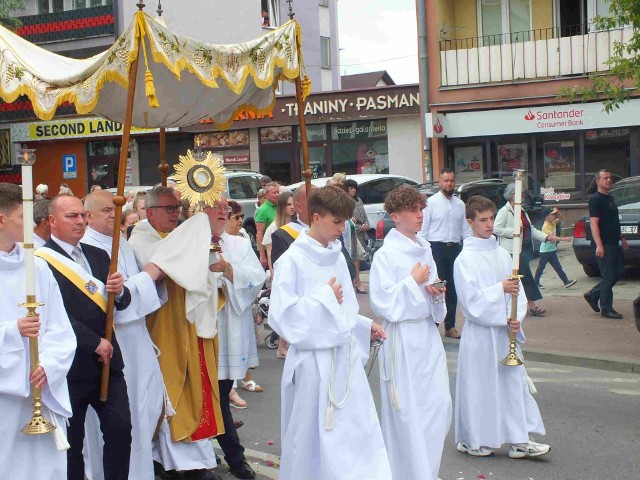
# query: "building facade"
[81,28]
[495,72]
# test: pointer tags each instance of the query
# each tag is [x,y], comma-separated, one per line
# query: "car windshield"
[627,197]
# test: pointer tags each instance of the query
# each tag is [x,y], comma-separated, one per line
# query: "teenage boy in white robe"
[330,428]
[25,456]
[493,403]
[414,381]
[141,368]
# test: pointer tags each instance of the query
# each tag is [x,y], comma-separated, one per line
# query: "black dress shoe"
[592,303]
[612,314]
[238,423]
[242,470]
[163,474]
[201,474]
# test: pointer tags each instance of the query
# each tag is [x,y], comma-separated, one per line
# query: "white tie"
[77,256]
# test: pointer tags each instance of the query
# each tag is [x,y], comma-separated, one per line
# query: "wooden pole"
[306,172]
[163,167]
[119,201]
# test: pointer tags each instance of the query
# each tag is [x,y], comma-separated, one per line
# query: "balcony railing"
[534,54]
[68,25]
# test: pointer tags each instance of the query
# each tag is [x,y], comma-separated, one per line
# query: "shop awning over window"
[184,80]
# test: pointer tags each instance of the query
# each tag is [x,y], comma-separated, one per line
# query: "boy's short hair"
[477,204]
[404,197]
[330,200]
[10,197]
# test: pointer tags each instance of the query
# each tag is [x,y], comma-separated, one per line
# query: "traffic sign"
[69,166]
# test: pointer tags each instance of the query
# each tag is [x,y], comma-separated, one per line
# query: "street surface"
[592,416]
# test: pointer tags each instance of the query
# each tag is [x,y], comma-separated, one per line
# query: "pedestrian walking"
[549,250]
[609,243]
[503,229]
[494,404]
[414,381]
[445,227]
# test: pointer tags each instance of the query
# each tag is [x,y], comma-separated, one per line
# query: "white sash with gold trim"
[93,288]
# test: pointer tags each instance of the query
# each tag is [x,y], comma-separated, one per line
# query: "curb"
[573,360]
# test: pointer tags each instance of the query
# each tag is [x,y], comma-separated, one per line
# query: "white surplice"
[32,456]
[493,402]
[414,381]
[141,369]
[330,428]
[236,335]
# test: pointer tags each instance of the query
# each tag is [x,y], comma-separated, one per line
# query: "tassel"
[150,89]
[306,87]
[328,417]
[58,434]
[394,398]
[532,388]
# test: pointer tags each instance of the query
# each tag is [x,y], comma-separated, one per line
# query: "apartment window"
[50,6]
[504,21]
[324,3]
[325,52]
[270,13]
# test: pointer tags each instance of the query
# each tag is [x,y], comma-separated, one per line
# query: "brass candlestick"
[38,424]
[512,359]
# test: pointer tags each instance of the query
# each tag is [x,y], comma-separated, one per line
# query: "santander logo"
[437,127]
[529,116]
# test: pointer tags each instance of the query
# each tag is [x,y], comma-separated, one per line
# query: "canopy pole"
[163,168]
[306,173]
[119,201]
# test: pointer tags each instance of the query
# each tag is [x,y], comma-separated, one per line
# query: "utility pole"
[421,9]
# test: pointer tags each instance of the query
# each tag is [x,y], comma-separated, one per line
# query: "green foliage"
[615,86]
[7,17]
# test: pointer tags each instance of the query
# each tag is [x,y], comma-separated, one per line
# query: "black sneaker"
[201,474]
[570,283]
[612,314]
[593,303]
[242,470]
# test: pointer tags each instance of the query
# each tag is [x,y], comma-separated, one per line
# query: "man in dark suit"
[73,264]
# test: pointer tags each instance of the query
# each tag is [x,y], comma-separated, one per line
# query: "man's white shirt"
[444,220]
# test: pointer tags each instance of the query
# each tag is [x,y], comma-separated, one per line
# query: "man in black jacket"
[82,272]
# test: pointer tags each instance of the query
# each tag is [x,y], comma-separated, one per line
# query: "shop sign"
[237,159]
[326,107]
[275,135]
[541,119]
[235,138]
[549,194]
[72,128]
[434,123]
[607,133]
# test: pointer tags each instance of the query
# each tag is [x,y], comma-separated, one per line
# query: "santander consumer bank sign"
[577,116]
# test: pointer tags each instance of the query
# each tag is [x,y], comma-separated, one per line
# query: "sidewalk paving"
[571,333]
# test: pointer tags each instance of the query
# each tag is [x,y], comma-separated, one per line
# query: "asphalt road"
[592,419]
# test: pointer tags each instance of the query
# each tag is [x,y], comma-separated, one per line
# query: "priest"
[30,456]
[184,330]
[141,368]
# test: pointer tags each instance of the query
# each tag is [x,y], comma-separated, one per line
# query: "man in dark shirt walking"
[605,230]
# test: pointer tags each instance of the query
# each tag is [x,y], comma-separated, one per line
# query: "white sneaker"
[531,449]
[481,452]
[570,283]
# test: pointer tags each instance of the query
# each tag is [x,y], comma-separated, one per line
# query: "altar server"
[414,381]
[141,368]
[30,456]
[329,426]
[494,405]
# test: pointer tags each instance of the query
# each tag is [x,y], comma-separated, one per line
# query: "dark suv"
[626,193]
[491,188]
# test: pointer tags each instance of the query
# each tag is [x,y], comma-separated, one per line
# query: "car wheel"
[591,270]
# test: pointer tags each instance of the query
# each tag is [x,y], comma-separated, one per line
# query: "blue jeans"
[611,270]
[552,259]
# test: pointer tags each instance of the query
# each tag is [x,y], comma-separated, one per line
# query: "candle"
[27,197]
[517,223]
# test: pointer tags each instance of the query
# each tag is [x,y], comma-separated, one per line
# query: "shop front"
[81,152]
[561,147]
[365,131]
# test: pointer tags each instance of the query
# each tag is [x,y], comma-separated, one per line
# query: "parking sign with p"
[69,166]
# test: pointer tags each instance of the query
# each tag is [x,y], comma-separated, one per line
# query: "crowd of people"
[185,338]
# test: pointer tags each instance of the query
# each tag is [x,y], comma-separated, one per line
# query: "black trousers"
[115,424]
[229,441]
[611,270]
[445,255]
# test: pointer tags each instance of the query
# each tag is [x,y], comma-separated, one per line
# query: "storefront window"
[468,162]
[317,138]
[233,146]
[559,176]
[509,153]
[102,163]
[360,147]
[606,148]
[276,153]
